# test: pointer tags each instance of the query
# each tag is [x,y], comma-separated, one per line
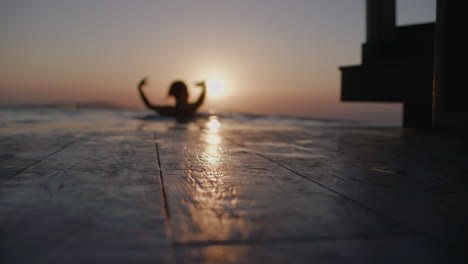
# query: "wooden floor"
[157,193]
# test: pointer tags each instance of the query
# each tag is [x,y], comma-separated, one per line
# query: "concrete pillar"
[380,19]
[450,95]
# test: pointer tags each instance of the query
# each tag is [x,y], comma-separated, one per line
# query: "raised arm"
[165,110]
[201,98]
[142,94]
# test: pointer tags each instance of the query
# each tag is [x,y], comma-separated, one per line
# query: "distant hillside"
[72,105]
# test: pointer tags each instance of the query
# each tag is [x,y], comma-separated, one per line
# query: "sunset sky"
[259,56]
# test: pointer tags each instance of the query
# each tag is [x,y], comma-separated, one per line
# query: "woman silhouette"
[182,111]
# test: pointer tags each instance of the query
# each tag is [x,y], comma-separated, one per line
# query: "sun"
[215,87]
[218,83]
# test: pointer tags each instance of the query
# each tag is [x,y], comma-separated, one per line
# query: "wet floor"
[223,191]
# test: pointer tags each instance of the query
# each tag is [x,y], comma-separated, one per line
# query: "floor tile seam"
[48,156]
[168,224]
[360,204]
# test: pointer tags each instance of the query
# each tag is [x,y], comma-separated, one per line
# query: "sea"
[14,117]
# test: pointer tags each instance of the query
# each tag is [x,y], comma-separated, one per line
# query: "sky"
[258,56]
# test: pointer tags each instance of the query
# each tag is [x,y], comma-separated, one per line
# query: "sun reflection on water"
[213,123]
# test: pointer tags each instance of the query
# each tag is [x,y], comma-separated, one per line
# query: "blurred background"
[259,56]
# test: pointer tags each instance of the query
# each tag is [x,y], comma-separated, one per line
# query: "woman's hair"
[177,88]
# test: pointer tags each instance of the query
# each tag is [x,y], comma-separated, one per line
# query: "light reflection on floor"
[212,194]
